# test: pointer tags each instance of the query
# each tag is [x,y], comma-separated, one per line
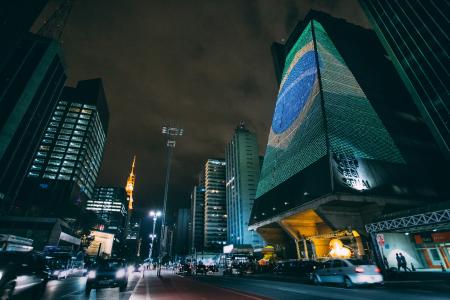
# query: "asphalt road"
[287,291]
[175,287]
[72,288]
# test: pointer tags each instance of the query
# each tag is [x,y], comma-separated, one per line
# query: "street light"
[155,215]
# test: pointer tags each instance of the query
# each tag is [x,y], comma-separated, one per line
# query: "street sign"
[380,239]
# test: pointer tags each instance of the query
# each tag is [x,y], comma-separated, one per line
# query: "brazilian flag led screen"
[321,110]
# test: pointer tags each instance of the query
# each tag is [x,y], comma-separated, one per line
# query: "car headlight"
[1,274]
[91,274]
[120,273]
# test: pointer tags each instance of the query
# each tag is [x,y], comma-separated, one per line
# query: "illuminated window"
[54,162]
[70,126]
[57,155]
[66,131]
[49,175]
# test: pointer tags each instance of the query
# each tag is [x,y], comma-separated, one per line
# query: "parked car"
[213,268]
[59,273]
[232,270]
[297,268]
[107,273]
[22,273]
[201,269]
[185,269]
[348,272]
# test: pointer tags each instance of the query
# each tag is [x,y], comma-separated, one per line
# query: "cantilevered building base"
[306,230]
[331,165]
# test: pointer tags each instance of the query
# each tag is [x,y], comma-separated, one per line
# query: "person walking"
[399,261]
[404,264]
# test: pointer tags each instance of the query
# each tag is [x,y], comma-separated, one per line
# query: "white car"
[348,272]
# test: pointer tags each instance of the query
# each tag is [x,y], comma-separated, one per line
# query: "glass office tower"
[67,162]
[242,175]
[31,81]
[215,205]
[415,36]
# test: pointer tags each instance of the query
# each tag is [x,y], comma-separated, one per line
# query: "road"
[175,287]
[72,288]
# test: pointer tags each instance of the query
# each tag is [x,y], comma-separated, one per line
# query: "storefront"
[421,236]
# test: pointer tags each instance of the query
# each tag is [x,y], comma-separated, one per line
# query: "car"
[108,273]
[22,273]
[201,269]
[59,273]
[185,269]
[348,272]
[232,270]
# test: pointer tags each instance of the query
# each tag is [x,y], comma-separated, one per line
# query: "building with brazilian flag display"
[340,150]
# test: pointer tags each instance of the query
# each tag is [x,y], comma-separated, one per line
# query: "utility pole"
[172,133]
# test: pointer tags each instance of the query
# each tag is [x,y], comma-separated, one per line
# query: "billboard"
[321,110]
[297,135]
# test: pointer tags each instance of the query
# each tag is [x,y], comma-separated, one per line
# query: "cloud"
[205,64]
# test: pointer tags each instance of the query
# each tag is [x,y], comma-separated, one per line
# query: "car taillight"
[359,270]
[377,270]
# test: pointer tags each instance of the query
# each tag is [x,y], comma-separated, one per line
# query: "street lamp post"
[155,215]
[172,133]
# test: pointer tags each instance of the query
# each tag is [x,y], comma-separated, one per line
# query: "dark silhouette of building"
[415,36]
[16,19]
[65,166]
[196,239]
[181,246]
[31,81]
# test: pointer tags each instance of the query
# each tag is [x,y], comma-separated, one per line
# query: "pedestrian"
[399,261]
[404,264]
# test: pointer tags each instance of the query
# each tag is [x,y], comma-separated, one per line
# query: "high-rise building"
[181,246]
[110,205]
[334,159]
[215,235]
[242,175]
[196,240]
[415,36]
[67,162]
[30,85]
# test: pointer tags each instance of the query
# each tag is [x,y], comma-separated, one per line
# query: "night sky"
[203,64]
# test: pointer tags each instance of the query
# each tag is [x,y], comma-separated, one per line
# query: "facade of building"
[110,205]
[242,175]
[31,81]
[422,235]
[16,23]
[44,232]
[196,240]
[335,160]
[215,230]
[66,164]
[133,241]
[181,246]
[415,36]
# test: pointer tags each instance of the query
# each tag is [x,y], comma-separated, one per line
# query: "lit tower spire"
[130,185]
